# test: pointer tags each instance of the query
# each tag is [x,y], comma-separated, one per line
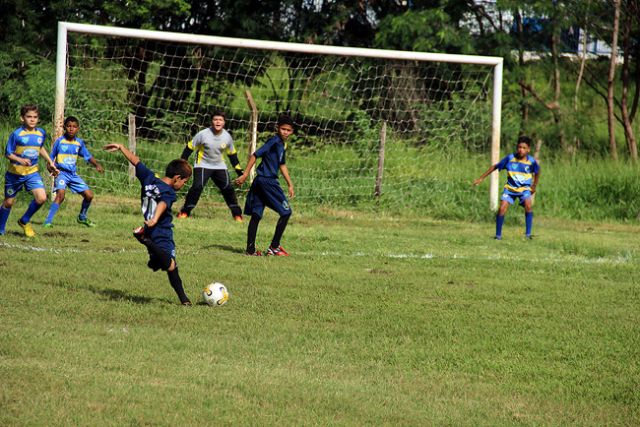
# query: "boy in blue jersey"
[65,152]
[265,189]
[23,147]
[523,173]
[156,197]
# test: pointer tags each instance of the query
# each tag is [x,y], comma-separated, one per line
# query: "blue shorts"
[13,183]
[510,196]
[71,180]
[266,192]
[163,239]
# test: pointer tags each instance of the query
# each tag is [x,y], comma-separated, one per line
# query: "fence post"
[383,139]
[132,144]
[253,129]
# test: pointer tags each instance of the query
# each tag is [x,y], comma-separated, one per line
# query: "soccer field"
[373,320]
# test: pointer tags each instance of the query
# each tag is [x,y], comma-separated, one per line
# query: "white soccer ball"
[215,294]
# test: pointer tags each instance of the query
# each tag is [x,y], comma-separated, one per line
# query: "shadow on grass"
[114,294]
[119,295]
[226,248]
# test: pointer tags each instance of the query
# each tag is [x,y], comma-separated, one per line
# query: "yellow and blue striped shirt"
[520,172]
[25,144]
[65,153]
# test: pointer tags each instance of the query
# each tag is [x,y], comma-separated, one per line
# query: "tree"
[611,81]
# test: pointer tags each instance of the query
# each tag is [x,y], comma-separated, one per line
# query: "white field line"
[628,259]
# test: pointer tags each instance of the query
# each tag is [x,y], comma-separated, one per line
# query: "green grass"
[374,320]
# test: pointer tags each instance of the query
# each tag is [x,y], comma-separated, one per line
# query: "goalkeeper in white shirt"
[209,145]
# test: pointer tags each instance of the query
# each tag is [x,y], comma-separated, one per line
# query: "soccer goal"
[373,126]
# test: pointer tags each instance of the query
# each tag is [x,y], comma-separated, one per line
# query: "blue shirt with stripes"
[25,144]
[65,153]
[520,172]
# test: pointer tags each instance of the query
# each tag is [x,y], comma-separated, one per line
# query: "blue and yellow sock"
[52,212]
[31,210]
[84,209]
[4,216]
[499,223]
[528,220]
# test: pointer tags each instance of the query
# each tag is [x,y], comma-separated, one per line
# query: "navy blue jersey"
[273,155]
[154,191]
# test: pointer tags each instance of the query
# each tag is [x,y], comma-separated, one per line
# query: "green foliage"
[27,79]
[422,31]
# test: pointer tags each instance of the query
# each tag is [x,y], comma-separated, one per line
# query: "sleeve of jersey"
[54,149]
[536,167]
[502,163]
[188,149]
[84,152]
[233,158]
[168,197]
[265,148]
[143,173]
[11,145]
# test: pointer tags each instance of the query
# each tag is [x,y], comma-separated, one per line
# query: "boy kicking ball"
[523,173]
[156,197]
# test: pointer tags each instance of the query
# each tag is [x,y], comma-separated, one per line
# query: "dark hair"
[524,140]
[217,113]
[71,119]
[179,167]
[28,107]
[285,119]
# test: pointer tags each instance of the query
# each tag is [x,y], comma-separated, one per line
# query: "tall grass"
[417,180]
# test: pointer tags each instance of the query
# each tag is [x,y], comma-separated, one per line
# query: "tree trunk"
[557,114]
[628,129]
[611,81]
[583,62]
[524,106]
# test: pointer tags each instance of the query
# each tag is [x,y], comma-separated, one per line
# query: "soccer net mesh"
[435,115]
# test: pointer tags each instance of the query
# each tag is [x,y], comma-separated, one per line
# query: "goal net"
[372,126]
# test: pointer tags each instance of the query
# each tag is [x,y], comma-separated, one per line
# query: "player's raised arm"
[484,175]
[133,159]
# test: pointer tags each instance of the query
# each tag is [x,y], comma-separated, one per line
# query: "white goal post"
[495,64]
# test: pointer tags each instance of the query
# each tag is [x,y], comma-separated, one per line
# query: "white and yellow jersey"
[209,148]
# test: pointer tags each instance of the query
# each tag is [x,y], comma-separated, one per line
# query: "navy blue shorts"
[266,192]
[163,239]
